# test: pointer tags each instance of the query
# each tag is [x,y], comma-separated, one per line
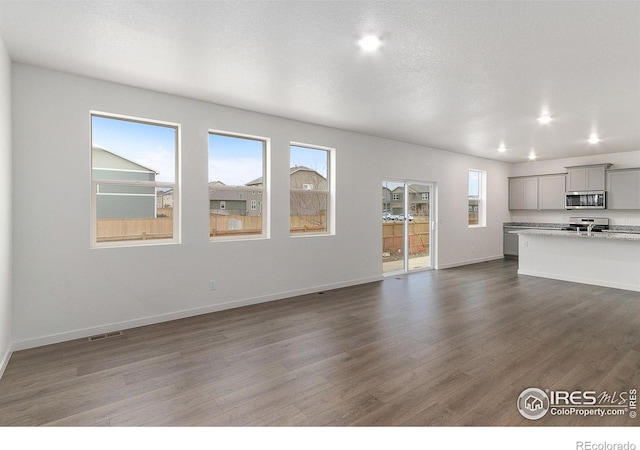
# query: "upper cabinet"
[523,193]
[623,189]
[586,178]
[551,191]
[538,192]
[547,192]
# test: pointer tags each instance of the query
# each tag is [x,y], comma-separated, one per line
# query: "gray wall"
[63,289]
[5,208]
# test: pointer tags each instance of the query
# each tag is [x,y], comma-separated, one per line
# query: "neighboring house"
[254,197]
[308,204]
[393,201]
[386,199]
[122,202]
[227,200]
[244,201]
[164,199]
[397,201]
[419,200]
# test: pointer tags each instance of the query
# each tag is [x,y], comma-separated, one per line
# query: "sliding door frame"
[432,226]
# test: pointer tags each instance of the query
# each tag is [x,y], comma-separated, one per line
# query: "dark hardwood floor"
[451,347]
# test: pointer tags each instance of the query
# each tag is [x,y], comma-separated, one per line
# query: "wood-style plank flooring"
[451,347]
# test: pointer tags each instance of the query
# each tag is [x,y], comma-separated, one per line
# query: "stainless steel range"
[587,224]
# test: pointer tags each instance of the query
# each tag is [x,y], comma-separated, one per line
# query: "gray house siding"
[236,207]
[122,202]
[125,207]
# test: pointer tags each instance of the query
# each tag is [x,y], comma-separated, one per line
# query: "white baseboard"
[4,362]
[86,332]
[471,261]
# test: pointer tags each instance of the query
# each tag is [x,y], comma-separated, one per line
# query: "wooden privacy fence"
[133,229]
[393,237]
[230,225]
[164,212]
[308,224]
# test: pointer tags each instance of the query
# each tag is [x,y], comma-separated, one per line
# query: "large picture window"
[310,181]
[134,192]
[237,186]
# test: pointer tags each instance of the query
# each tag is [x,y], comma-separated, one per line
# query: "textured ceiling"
[459,76]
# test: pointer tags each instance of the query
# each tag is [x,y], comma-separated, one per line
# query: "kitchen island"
[599,258]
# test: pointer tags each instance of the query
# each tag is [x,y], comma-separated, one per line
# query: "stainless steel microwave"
[585,200]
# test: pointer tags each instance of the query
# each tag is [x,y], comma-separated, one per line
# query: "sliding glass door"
[406,226]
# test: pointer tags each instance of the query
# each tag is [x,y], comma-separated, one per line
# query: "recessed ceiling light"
[593,139]
[544,119]
[532,156]
[370,43]
[502,148]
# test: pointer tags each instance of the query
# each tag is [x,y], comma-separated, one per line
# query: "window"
[425,196]
[476,198]
[396,197]
[237,186]
[311,190]
[134,195]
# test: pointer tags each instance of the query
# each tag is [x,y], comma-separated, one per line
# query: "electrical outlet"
[212,285]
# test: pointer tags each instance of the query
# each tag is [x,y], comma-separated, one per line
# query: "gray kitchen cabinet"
[523,193]
[623,189]
[510,243]
[551,191]
[586,178]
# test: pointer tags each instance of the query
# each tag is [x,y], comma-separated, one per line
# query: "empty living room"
[296,222]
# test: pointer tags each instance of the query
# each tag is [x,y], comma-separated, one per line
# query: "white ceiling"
[459,76]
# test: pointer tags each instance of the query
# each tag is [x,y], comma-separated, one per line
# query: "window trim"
[176,185]
[481,198]
[265,210]
[330,192]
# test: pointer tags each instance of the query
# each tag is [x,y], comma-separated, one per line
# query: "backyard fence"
[393,237]
[133,229]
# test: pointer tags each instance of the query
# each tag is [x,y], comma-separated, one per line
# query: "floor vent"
[99,337]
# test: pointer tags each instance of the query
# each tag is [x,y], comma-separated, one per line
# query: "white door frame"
[432,226]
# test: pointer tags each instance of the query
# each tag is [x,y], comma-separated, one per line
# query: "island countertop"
[603,258]
[618,236]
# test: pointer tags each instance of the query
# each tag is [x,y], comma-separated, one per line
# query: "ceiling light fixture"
[532,156]
[593,139]
[370,43]
[544,119]
[502,148]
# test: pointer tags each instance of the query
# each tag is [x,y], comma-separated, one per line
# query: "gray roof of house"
[292,170]
[102,158]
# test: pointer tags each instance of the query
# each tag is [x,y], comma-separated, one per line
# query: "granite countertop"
[583,235]
[560,226]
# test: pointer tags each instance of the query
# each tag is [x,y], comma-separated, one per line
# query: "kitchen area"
[597,237]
